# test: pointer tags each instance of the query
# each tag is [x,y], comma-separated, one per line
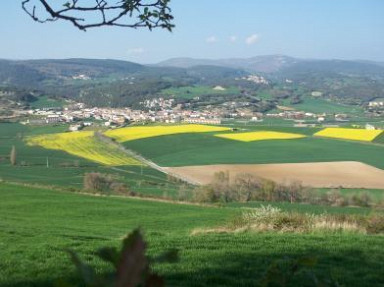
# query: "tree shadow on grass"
[237,260]
[238,267]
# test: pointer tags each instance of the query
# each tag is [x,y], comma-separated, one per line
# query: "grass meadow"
[319,105]
[46,102]
[379,139]
[204,149]
[191,92]
[37,225]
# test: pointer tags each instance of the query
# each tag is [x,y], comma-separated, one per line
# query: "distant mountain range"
[266,64]
[280,63]
[33,72]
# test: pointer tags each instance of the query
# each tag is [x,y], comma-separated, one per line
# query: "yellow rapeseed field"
[260,135]
[85,145]
[135,133]
[350,134]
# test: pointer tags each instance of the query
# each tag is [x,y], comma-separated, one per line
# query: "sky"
[321,29]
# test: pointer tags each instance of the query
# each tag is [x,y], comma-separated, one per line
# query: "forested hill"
[35,73]
[106,82]
[120,83]
[352,81]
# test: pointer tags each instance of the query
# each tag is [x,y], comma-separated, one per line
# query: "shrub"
[334,197]
[361,200]
[245,187]
[119,188]
[172,178]
[272,218]
[268,218]
[375,224]
[204,194]
[267,190]
[182,193]
[97,182]
[221,186]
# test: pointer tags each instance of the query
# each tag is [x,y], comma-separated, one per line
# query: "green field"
[46,102]
[318,105]
[379,139]
[38,224]
[191,92]
[204,149]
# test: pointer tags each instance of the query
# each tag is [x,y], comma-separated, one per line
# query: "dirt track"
[323,174]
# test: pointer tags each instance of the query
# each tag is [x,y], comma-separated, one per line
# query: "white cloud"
[211,39]
[233,39]
[252,39]
[136,51]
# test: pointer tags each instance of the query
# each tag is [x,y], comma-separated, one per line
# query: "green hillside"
[38,224]
[315,105]
[191,92]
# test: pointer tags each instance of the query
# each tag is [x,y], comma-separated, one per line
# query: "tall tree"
[12,156]
[97,13]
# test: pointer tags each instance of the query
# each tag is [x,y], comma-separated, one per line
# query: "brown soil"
[321,174]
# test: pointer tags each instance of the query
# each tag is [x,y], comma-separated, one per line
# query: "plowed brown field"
[319,174]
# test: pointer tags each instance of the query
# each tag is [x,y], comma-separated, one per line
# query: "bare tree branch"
[85,14]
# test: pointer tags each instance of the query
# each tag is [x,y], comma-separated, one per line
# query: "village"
[160,110]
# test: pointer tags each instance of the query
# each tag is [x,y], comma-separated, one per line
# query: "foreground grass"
[37,224]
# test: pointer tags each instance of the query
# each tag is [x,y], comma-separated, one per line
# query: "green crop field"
[272,122]
[379,139]
[283,129]
[191,92]
[203,149]
[316,105]
[37,225]
[46,102]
